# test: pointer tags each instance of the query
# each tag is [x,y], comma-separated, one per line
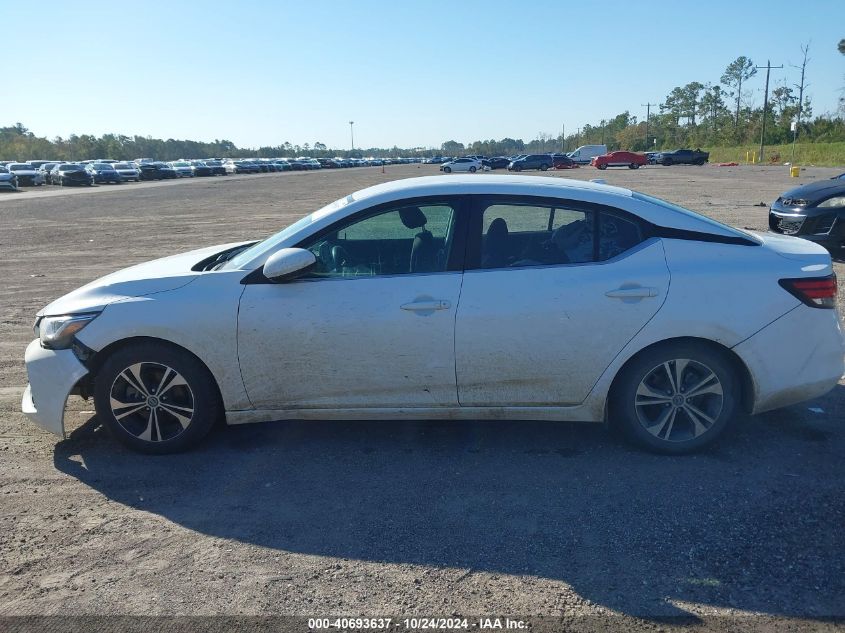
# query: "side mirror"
[288,263]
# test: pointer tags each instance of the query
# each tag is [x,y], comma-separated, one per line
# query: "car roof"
[480,183]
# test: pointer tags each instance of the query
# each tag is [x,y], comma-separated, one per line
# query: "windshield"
[102,166]
[180,164]
[3,170]
[270,244]
[19,166]
[697,216]
[123,166]
[69,167]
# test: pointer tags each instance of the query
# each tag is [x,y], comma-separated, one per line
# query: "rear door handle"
[631,293]
[422,306]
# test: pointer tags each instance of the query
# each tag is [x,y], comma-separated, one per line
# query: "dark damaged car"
[815,211]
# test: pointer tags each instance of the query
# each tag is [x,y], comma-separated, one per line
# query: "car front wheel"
[155,398]
[601,166]
[447,170]
[676,399]
[472,170]
[633,166]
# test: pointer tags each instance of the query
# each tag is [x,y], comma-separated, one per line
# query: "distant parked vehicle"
[683,157]
[584,154]
[471,165]
[8,181]
[815,211]
[217,167]
[27,175]
[532,161]
[103,173]
[496,162]
[155,171]
[127,171]
[38,163]
[562,161]
[182,168]
[651,157]
[199,168]
[66,174]
[631,160]
[45,170]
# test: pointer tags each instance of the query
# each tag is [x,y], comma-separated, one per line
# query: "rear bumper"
[798,357]
[52,376]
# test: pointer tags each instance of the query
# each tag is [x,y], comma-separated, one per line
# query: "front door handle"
[426,306]
[637,292]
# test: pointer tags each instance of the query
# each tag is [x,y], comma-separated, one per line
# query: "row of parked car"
[595,155]
[33,173]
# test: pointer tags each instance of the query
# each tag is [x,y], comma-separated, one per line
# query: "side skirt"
[579,413]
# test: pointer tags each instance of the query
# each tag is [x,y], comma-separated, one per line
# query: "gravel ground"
[398,518]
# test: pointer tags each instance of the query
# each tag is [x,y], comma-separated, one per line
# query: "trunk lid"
[815,259]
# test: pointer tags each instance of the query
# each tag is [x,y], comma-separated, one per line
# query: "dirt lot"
[399,518]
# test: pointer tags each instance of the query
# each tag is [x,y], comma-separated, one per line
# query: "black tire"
[544,167]
[168,430]
[699,162]
[447,170]
[634,411]
[602,166]
[633,166]
[472,170]
[517,168]
[667,162]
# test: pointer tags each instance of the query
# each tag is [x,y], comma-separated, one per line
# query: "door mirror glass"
[288,263]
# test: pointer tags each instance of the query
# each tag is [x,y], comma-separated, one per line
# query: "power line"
[768,68]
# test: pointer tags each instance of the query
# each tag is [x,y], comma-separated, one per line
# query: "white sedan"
[471,165]
[453,298]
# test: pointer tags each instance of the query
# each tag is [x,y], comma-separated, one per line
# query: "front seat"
[424,250]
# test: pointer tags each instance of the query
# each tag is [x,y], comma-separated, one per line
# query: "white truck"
[584,154]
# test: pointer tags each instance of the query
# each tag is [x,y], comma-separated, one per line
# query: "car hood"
[159,275]
[815,190]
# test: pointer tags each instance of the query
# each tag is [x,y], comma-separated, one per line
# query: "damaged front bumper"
[52,376]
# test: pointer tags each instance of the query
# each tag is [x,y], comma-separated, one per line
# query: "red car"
[632,160]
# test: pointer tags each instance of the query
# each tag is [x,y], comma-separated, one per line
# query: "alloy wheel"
[679,400]
[152,402]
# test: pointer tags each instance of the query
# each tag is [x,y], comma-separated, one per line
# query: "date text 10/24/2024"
[416,624]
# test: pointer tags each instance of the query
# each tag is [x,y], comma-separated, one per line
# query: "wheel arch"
[743,373]
[99,357]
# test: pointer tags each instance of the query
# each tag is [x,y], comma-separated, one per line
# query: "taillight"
[816,292]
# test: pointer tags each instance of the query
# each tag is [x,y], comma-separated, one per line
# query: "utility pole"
[647,117]
[563,138]
[768,68]
[352,135]
[603,123]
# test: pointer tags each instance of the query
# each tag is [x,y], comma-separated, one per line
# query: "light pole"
[352,135]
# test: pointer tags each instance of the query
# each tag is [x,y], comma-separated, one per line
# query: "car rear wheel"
[676,399]
[601,166]
[155,398]
[544,167]
[472,170]
[667,162]
[633,166]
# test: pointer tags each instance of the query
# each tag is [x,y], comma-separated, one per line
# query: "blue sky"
[409,73]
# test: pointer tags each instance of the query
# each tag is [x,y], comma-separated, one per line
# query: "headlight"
[838,201]
[57,332]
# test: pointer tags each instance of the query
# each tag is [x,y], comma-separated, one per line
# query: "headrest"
[412,217]
[498,227]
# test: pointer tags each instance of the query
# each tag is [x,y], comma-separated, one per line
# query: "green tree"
[738,71]
[452,147]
